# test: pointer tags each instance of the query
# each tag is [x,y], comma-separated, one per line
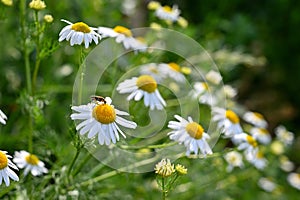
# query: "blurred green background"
[260,28]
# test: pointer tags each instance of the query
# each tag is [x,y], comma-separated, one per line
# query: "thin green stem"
[22,8]
[73,161]
[37,44]
[30,135]
[164,194]
[81,164]
[82,65]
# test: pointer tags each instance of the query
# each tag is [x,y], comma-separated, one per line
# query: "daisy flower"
[167,13]
[191,134]
[285,164]
[200,90]
[30,162]
[123,35]
[283,135]
[152,70]
[5,171]
[255,119]
[143,86]
[213,77]
[3,117]
[164,168]
[234,159]
[229,91]
[172,70]
[259,161]
[101,118]
[79,33]
[294,180]
[262,135]
[266,184]
[248,143]
[228,121]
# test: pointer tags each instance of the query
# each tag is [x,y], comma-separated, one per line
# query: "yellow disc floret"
[3,161]
[174,66]
[251,141]
[146,83]
[258,115]
[81,27]
[104,113]
[232,117]
[123,30]
[167,9]
[32,159]
[195,130]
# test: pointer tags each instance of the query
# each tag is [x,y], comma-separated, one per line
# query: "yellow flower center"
[123,30]
[104,113]
[259,155]
[264,131]
[195,130]
[205,85]
[3,161]
[167,9]
[251,141]
[174,66]
[146,83]
[32,159]
[258,115]
[232,116]
[81,27]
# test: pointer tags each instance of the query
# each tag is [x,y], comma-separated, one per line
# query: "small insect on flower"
[79,33]
[101,118]
[98,99]
[5,171]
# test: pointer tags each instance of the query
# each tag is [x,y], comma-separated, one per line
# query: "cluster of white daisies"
[22,159]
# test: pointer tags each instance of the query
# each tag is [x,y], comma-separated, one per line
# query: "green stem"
[81,63]
[22,8]
[30,135]
[38,57]
[164,193]
[73,161]
[81,164]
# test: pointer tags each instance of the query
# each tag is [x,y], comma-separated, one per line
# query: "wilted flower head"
[37,4]
[181,170]
[164,168]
